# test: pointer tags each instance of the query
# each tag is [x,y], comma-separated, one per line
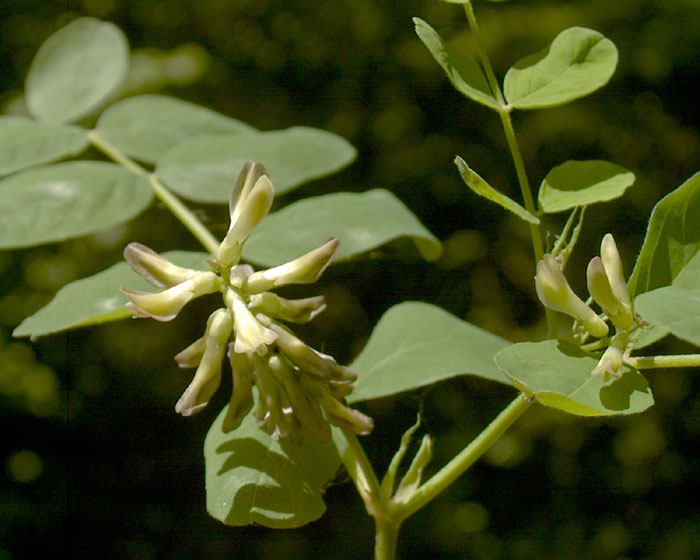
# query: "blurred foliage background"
[96,462]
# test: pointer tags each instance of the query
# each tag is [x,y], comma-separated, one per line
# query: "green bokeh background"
[96,462]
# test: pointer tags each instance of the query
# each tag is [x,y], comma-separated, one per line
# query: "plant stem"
[179,210]
[386,539]
[465,459]
[670,361]
[361,472]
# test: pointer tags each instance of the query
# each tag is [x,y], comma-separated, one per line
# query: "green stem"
[386,539]
[465,459]
[670,361]
[179,210]
[362,474]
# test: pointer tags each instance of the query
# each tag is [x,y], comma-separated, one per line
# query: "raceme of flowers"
[608,288]
[300,390]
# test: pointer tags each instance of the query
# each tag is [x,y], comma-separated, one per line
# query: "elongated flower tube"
[612,264]
[165,305]
[554,292]
[159,271]
[301,391]
[601,291]
[304,270]
[208,375]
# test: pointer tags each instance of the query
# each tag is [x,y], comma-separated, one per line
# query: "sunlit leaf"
[251,478]
[25,142]
[76,70]
[558,374]
[205,167]
[362,221]
[57,202]
[464,73]
[474,181]
[416,344]
[147,126]
[578,62]
[578,183]
[674,309]
[672,241]
[96,299]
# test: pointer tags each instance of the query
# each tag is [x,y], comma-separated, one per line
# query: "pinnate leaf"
[578,62]
[558,374]
[475,182]
[205,167]
[417,344]
[579,183]
[25,143]
[464,73]
[66,200]
[251,478]
[96,299]
[76,70]
[362,221]
[147,126]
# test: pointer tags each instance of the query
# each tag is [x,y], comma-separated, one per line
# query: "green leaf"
[672,241]
[96,299]
[24,143]
[474,181]
[67,200]
[578,62]
[362,221]
[147,126]
[579,183]
[76,70]
[464,73]
[205,167]
[674,309]
[558,374]
[416,344]
[251,478]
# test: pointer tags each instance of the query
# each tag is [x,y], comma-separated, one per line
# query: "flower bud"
[242,395]
[290,310]
[612,264]
[157,270]
[251,206]
[273,397]
[304,270]
[165,305]
[554,292]
[251,336]
[208,375]
[600,290]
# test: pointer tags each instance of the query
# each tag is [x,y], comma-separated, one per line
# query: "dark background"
[96,462]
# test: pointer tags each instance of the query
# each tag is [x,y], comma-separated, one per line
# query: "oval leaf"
[464,73]
[558,374]
[674,309]
[67,200]
[26,143]
[361,221]
[578,62]
[205,167]
[416,344]
[672,240]
[96,299]
[76,70]
[578,183]
[147,126]
[474,181]
[251,478]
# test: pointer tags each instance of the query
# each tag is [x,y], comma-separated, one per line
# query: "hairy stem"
[171,202]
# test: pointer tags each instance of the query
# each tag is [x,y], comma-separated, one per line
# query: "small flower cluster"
[300,389]
[608,288]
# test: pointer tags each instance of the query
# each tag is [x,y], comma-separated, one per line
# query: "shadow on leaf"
[617,395]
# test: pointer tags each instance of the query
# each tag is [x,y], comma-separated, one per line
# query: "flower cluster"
[608,288]
[300,389]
